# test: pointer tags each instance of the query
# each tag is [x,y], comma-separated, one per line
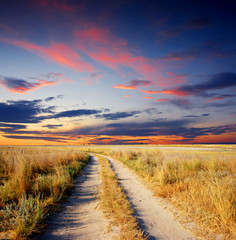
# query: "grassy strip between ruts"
[32,182]
[116,206]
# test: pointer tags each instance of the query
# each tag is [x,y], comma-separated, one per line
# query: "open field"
[199,181]
[32,181]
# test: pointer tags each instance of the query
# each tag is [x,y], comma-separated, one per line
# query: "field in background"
[32,181]
[198,179]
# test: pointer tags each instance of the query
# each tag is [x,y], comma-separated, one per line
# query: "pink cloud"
[134,84]
[58,53]
[16,85]
[172,79]
[122,86]
[176,92]
[148,97]
[127,96]
[216,98]
[22,86]
[151,91]
[113,52]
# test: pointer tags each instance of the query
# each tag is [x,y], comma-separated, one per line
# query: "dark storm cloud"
[191,116]
[153,128]
[51,126]
[130,129]
[118,115]
[75,113]
[160,127]
[22,111]
[11,128]
[196,116]
[216,82]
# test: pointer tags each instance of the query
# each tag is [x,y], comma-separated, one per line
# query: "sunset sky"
[117,72]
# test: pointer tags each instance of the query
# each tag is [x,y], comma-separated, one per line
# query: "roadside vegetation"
[200,183]
[32,181]
[116,206]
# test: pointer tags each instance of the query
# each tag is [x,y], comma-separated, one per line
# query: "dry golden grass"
[116,206]
[202,183]
[31,181]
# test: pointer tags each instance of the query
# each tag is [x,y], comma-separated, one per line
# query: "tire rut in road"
[157,222]
[81,218]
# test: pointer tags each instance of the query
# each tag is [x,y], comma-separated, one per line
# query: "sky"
[117,72]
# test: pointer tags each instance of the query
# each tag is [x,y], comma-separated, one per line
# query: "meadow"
[199,180]
[33,180]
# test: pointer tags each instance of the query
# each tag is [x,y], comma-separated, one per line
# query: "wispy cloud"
[162,100]
[218,81]
[59,53]
[134,84]
[196,116]
[48,99]
[118,115]
[16,85]
[51,139]
[162,127]
[75,113]
[11,128]
[34,111]
[106,49]
[52,126]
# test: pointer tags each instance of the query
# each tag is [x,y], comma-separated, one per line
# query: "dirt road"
[155,220]
[81,217]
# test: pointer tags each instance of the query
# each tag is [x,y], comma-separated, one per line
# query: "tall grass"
[202,184]
[31,181]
